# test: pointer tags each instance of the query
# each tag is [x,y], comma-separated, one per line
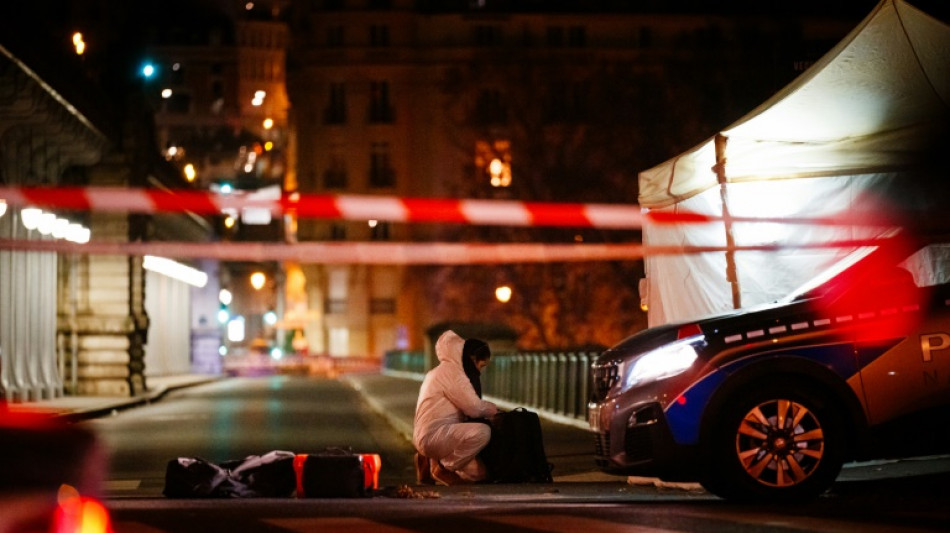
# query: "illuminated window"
[493,161]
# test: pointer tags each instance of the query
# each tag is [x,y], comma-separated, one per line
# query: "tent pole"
[732,274]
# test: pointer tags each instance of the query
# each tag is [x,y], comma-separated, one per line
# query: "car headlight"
[663,362]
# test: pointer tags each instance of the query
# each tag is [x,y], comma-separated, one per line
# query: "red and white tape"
[386,208]
[389,253]
[345,207]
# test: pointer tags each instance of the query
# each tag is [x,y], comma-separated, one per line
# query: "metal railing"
[554,382]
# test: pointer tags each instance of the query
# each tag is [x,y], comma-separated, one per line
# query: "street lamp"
[258,279]
[30,216]
[79,43]
[503,293]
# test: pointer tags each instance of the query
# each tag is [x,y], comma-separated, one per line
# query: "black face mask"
[473,374]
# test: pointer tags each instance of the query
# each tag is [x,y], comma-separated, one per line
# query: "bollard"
[573,384]
[585,361]
[563,384]
[534,383]
[552,384]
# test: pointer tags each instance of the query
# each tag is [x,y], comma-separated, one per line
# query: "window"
[336,108]
[338,232]
[334,306]
[335,176]
[382,306]
[493,161]
[339,342]
[486,35]
[178,103]
[646,37]
[381,173]
[577,37]
[565,102]
[379,231]
[378,35]
[177,76]
[380,110]
[490,108]
[335,36]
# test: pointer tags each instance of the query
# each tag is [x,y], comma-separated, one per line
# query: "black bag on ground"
[257,476]
[515,453]
[333,473]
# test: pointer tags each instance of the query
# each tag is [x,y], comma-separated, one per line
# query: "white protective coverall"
[445,397]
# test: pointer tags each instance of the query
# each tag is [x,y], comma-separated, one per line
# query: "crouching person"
[447,445]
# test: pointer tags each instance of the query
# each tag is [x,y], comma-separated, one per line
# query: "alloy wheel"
[780,443]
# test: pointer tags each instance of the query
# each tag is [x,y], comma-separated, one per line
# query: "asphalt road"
[238,417]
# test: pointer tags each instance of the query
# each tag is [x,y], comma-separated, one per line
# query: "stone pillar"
[110,319]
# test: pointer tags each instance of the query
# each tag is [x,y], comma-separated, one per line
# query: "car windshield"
[813,286]
[928,265]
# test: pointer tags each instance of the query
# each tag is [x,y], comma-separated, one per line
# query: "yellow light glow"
[190,173]
[258,279]
[503,293]
[175,270]
[268,146]
[268,123]
[79,43]
[495,167]
[166,93]
[229,222]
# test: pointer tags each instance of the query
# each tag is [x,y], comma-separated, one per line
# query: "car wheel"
[779,443]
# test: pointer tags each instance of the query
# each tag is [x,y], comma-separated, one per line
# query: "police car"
[766,404]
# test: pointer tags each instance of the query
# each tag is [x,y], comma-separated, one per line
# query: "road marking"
[561,522]
[123,484]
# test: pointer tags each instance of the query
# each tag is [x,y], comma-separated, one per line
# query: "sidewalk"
[76,408]
[568,446]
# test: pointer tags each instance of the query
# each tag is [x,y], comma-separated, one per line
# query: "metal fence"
[554,382]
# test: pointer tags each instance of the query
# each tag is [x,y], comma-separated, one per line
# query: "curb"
[137,401]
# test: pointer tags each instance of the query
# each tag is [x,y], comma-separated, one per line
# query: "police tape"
[397,253]
[385,208]
[325,206]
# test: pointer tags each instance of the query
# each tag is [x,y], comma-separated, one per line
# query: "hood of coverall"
[449,348]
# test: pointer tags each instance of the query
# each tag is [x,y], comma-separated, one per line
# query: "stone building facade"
[423,99]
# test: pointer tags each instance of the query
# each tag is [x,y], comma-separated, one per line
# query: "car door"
[904,353]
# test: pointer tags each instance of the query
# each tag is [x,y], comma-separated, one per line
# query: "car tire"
[778,442]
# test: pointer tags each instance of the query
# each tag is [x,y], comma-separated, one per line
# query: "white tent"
[852,123]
